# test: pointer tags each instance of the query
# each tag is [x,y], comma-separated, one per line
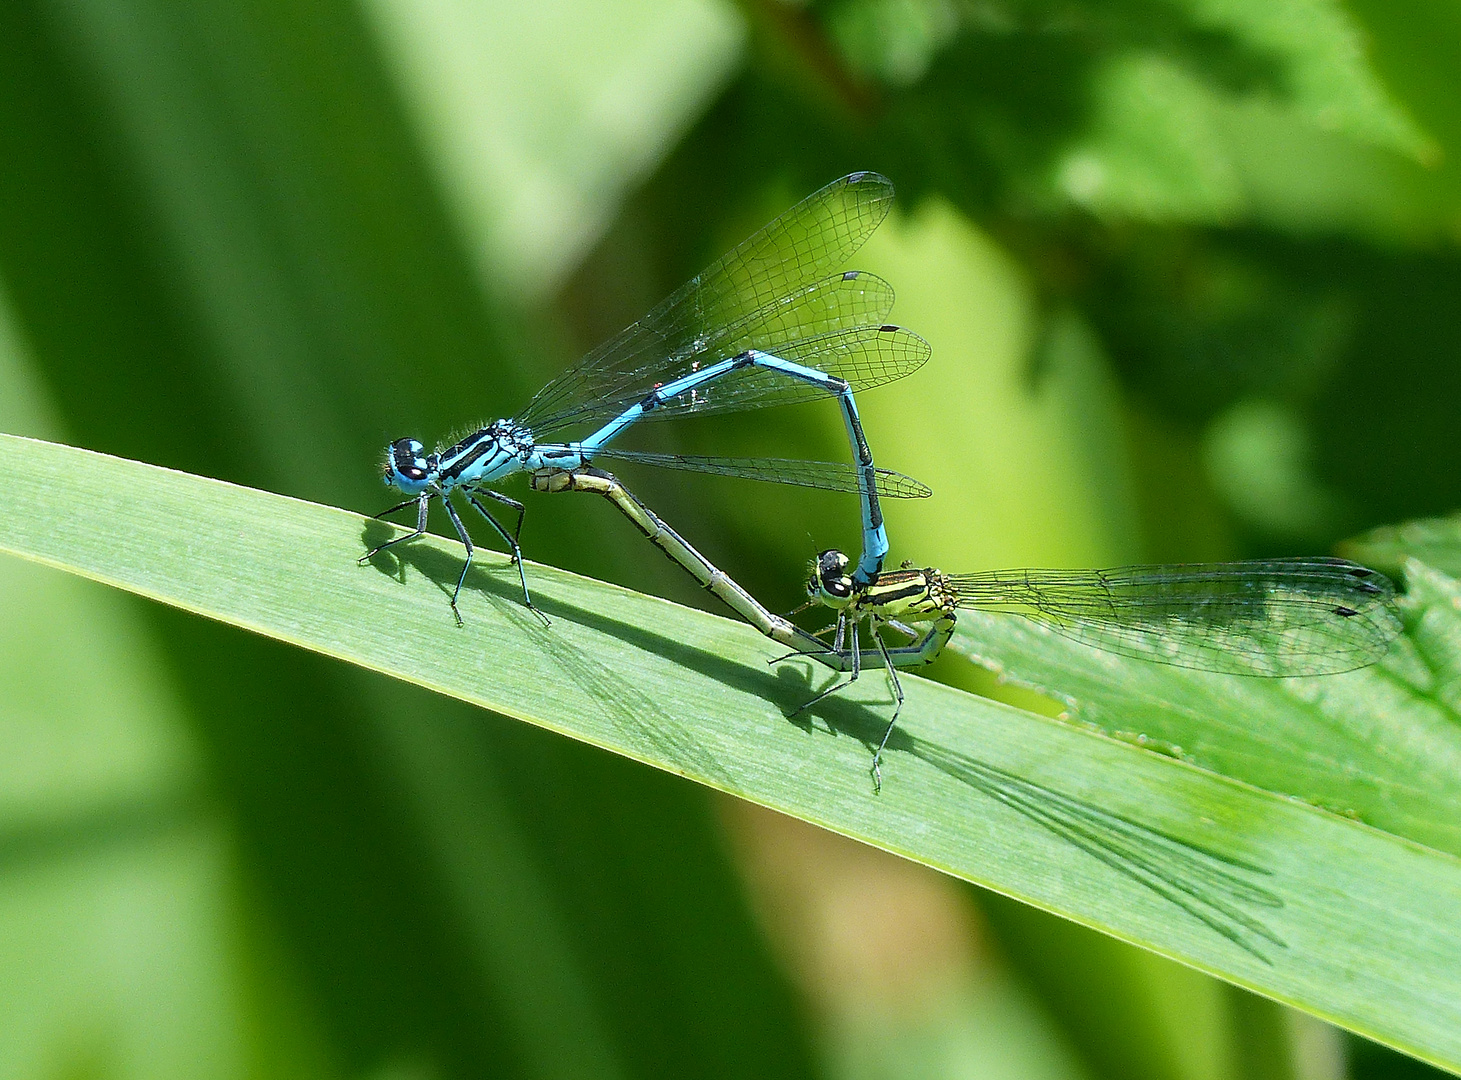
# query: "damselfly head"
[407,467]
[830,583]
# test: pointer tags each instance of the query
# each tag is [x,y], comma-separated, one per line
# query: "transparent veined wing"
[864,357]
[851,298]
[766,275]
[1278,617]
[846,300]
[823,475]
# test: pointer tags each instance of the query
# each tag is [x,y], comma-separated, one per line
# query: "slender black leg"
[451,512]
[398,506]
[897,708]
[510,541]
[808,652]
[505,501]
[856,666]
[422,502]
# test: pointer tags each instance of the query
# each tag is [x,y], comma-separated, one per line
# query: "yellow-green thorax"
[907,595]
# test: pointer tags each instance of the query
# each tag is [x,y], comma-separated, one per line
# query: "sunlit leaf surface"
[1349,915]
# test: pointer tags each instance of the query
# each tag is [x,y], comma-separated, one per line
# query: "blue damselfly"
[770,323]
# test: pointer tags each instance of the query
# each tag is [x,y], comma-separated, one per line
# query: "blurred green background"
[1190,270]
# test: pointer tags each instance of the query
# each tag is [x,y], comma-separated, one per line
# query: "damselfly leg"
[510,540]
[422,503]
[847,642]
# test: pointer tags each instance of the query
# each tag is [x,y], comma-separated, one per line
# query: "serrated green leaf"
[1340,917]
[1436,541]
[1329,80]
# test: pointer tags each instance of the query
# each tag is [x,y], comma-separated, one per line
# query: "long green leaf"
[1355,922]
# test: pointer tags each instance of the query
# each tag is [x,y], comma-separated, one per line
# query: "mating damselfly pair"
[776,321]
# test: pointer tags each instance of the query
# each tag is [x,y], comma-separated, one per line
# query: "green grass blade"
[1380,745]
[1353,921]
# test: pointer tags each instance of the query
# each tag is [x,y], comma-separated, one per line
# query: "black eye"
[831,563]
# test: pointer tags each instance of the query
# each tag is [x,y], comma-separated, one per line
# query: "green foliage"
[1189,271]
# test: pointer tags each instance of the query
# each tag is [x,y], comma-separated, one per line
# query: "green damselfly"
[1274,617]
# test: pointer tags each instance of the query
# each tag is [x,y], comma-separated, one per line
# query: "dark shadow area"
[787,687]
[1208,885]
[1360,343]
[1371,1061]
